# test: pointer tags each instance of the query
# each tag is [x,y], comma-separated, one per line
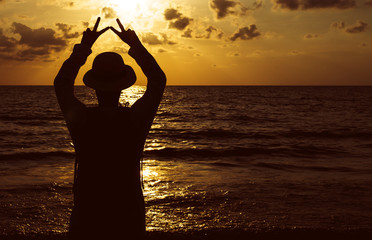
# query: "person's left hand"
[90,36]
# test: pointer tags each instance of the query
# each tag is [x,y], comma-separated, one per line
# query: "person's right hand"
[128,36]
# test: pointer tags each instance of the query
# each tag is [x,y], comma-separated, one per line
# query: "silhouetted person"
[108,139]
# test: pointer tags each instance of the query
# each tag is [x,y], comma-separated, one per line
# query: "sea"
[218,159]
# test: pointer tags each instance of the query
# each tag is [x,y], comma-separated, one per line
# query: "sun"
[129,5]
[132,12]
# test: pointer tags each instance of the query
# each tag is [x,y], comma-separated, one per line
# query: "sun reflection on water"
[131,95]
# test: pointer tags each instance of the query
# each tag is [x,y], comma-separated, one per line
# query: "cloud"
[65,4]
[224,8]
[152,39]
[171,14]
[37,37]
[287,4]
[187,33]
[181,23]
[85,24]
[108,12]
[209,31]
[338,25]
[66,29]
[6,42]
[358,27]
[246,33]
[311,36]
[34,44]
[313,4]
[178,21]
[233,54]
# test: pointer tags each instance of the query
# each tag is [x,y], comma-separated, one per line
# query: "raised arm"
[144,108]
[64,82]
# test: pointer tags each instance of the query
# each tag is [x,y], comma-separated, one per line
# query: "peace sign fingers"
[120,25]
[90,36]
[96,25]
[128,36]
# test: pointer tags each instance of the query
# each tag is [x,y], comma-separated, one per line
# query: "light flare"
[132,13]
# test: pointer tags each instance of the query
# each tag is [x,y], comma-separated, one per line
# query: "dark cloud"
[313,4]
[311,36]
[220,35]
[211,30]
[34,44]
[6,42]
[208,33]
[152,39]
[246,33]
[187,33]
[359,27]
[26,54]
[287,4]
[66,30]
[171,14]
[368,3]
[223,7]
[178,21]
[85,24]
[37,37]
[340,4]
[257,4]
[108,12]
[338,25]
[32,53]
[181,23]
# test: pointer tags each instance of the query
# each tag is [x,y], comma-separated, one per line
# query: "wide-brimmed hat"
[109,73]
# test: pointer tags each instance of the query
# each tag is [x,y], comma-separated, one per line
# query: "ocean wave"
[244,134]
[295,151]
[290,167]
[40,117]
[206,134]
[328,134]
[32,188]
[36,155]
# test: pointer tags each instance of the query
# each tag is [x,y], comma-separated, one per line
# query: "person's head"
[108,76]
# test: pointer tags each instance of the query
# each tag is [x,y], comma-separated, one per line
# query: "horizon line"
[179,85]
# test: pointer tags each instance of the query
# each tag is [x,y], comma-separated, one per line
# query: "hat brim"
[123,81]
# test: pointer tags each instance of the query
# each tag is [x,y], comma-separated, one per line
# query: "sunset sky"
[197,42]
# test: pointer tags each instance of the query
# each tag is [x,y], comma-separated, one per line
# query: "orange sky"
[197,42]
